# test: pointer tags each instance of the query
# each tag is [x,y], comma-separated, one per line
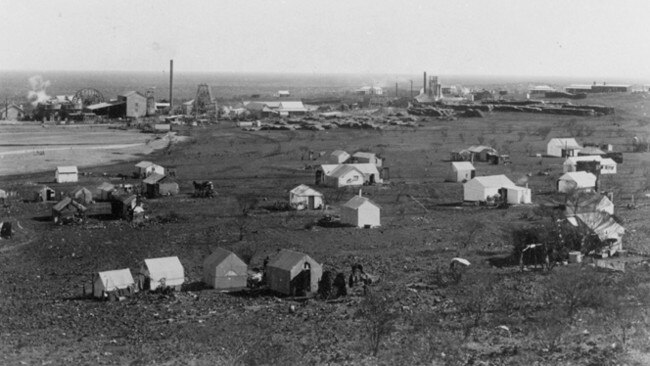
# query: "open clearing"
[45,318]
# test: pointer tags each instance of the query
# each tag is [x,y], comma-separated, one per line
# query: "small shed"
[81,195]
[605,226]
[461,171]
[122,205]
[104,191]
[461,155]
[480,188]
[118,282]
[165,272]
[64,174]
[41,193]
[338,157]
[515,195]
[304,197]
[293,273]
[66,210]
[361,212]
[146,168]
[481,152]
[563,147]
[224,270]
[156,185]
[582,181]
[367,158]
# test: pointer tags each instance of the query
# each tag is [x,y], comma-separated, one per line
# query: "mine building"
[136,104]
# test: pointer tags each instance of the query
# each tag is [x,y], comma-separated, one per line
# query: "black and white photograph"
[297,182]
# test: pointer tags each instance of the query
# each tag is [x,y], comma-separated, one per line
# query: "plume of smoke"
[38,93]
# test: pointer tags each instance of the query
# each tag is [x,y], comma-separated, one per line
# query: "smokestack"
[360,195]
[424,83]
[171,85]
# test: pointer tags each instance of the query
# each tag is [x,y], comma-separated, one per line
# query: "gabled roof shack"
[583,179]
[357,201]
[498,181]
[153,178]
[303,190]
[67,170]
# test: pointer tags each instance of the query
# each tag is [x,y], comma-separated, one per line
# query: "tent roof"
[607,161]
[116,278]
[357,201]
[602,224]
[168,267]
[65,202]
[363,154]
[144,164]
[67,169]
[591,150]
[342,170]
[587,204]
[287,259]
[218,256]
[565,142]
[574,159]
[462,165]
[479,148]
[153,178]
[339,153]
[583,179]
[494,181]
[303,190]
[105,186]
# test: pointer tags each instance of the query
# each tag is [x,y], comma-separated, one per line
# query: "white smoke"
[38,93]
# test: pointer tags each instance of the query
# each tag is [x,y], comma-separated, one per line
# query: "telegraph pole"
[411,88]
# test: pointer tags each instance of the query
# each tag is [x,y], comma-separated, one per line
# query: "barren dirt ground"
[47,320]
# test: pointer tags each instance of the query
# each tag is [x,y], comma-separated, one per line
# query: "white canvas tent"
[64,174]
[361,212]
[304,197]
[293,273]
[338,157]
[607,165]
[224,270]
[461,171]
[583,181]
[563,147]
[161,273]
[480,188]
[113,281]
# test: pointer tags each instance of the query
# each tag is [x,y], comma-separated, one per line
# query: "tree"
[245,204]
[378,316]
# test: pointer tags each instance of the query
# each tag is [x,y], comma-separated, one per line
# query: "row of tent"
[289,273]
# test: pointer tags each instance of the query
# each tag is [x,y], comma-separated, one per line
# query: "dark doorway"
[311,202]
[319,176]
[371,180]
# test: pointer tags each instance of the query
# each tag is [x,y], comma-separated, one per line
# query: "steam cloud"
[38,93]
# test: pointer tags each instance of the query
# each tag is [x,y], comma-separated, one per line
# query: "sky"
[453,37]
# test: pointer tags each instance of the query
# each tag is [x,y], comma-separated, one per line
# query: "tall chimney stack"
[171,86]
[424,83]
